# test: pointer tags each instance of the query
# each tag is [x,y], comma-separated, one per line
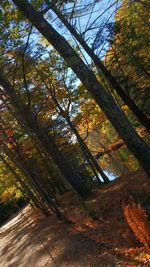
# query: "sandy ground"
[83,243]
[21,246]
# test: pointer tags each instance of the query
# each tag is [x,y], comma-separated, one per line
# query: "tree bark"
[107,74]
[86,150]
[27,118]
[47,201]
[106,102]
[27,172]
[87,153]
[30,194]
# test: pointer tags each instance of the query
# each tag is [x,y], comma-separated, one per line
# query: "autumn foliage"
[137,219]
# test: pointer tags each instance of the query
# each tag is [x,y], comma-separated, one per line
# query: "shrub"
[137,219]
[9,208]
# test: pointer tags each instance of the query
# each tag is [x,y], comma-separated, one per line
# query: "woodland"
[75,132]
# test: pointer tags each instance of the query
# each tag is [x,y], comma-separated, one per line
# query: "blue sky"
[95,17]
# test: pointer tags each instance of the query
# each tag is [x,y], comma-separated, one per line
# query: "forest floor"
[107,241]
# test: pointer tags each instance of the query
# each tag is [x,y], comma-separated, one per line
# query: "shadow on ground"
[32,240]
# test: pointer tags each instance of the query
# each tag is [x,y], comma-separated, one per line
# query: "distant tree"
[128,56]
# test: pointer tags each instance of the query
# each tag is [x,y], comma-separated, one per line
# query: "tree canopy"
[74,95]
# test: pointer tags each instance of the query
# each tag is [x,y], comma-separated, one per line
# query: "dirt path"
[84,243]
[20,245]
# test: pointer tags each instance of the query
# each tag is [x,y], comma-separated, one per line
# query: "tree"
[128,55]
[53,86]
[26,189]
[107,74]
[28,119]
[104,100]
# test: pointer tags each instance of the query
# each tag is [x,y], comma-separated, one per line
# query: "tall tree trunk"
[30,194]
[28,174]
[27,117]
[27,198]
[39,184]
[85,149]
[116,163]
[87,77]
[107,74]
[87,153]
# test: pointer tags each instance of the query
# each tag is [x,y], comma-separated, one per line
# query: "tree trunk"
[28,173]
[27,118]
[87,77]
[26,188]
[47,199]
[107,74]
[91,160]
[86,150]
